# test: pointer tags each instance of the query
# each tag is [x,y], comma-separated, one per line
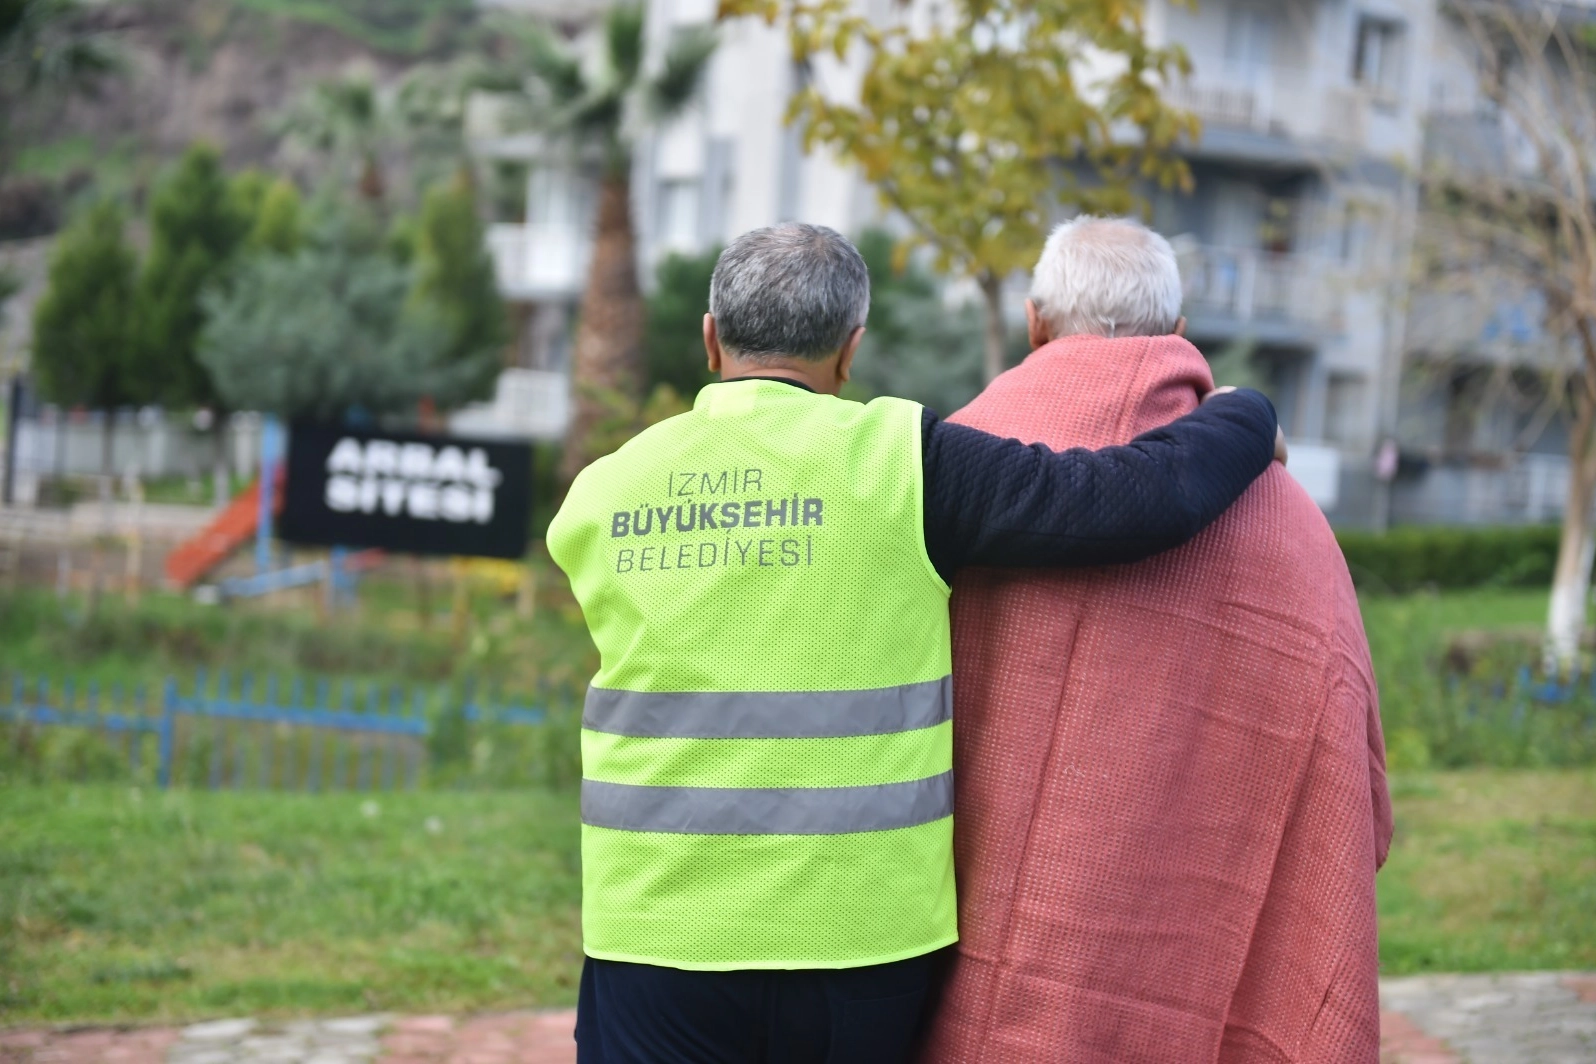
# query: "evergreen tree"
[455,280]
[278,225]
[82,332]
[915,346]
[336,326]
[248,190]
[197,227]
[673,343]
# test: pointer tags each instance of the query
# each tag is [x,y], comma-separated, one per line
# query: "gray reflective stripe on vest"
[768,714]
[767,810]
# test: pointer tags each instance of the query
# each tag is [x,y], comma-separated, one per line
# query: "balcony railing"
[1531,489]
[1257,286]
[539,261]
[1276,106]
[1220,105]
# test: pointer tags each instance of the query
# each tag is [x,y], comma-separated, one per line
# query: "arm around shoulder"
[995,501]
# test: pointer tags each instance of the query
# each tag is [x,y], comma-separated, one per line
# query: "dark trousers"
[643,1014]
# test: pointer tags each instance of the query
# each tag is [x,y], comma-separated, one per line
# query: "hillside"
[214,70]
[220,70]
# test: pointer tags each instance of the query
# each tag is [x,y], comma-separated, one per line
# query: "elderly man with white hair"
[1104,277]
[1171,789]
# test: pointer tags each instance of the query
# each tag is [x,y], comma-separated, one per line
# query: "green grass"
[1434,718]
[117,904]
[402,634]
[1490,871]
[395,638]
[189,491]
[397,634]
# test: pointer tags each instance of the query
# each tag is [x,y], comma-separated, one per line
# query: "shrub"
[1446,705]
[673,343]
[1412,557]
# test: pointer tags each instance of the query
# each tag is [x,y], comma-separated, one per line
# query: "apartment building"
[1295,241]
[1481,441]
[1296,235]
[1291,240]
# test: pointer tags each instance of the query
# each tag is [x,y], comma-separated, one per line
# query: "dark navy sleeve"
[996,501]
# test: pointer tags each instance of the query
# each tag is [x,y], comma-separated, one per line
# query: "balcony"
[1489,320]
[1528,489]
[527,404]
[545,261]
[1234,106]
[1280,298]
[1274,118]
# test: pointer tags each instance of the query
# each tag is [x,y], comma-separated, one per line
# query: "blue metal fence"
[225,733]
[1553,690]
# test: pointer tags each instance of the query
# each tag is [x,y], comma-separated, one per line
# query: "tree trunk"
[107,470]
[107,492]
[996,355]
[372,186]
[607,364]
[1565,622]
[221,466]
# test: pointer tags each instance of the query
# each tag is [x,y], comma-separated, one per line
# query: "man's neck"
[790,382]
[816,376]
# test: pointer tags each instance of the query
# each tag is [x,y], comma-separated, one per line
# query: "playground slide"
[230,530]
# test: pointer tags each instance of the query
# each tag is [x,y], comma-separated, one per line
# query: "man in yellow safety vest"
[767,794]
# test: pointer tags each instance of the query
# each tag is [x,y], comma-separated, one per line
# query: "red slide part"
[231,529]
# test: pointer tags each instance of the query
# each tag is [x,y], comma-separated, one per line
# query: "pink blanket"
[1171,778]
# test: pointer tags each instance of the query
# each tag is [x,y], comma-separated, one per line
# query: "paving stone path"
[1534,1018]
[504,1038]
[1538,1018]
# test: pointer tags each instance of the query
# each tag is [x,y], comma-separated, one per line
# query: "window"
[509,187]
[1465,403]
[1377,57]
[549,197]
[1358,229]
[1249,41]
[678,215]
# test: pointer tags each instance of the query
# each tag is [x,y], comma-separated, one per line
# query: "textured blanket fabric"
[1171,777]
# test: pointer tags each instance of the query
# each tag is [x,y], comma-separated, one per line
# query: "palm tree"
[345,120]
[601,108]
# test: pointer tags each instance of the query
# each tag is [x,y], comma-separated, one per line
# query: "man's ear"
[1037,329]
[712,345]
[850,348]
[1180,327]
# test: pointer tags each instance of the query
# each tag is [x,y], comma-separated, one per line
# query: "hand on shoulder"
[1280,433]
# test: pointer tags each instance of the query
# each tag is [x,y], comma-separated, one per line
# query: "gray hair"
[1107,277]
[793,290]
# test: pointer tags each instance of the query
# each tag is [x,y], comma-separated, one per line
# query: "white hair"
[1107,277]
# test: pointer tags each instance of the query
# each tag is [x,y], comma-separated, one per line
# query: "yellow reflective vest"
[767,746]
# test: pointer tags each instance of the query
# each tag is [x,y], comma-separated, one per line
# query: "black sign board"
[404,492]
